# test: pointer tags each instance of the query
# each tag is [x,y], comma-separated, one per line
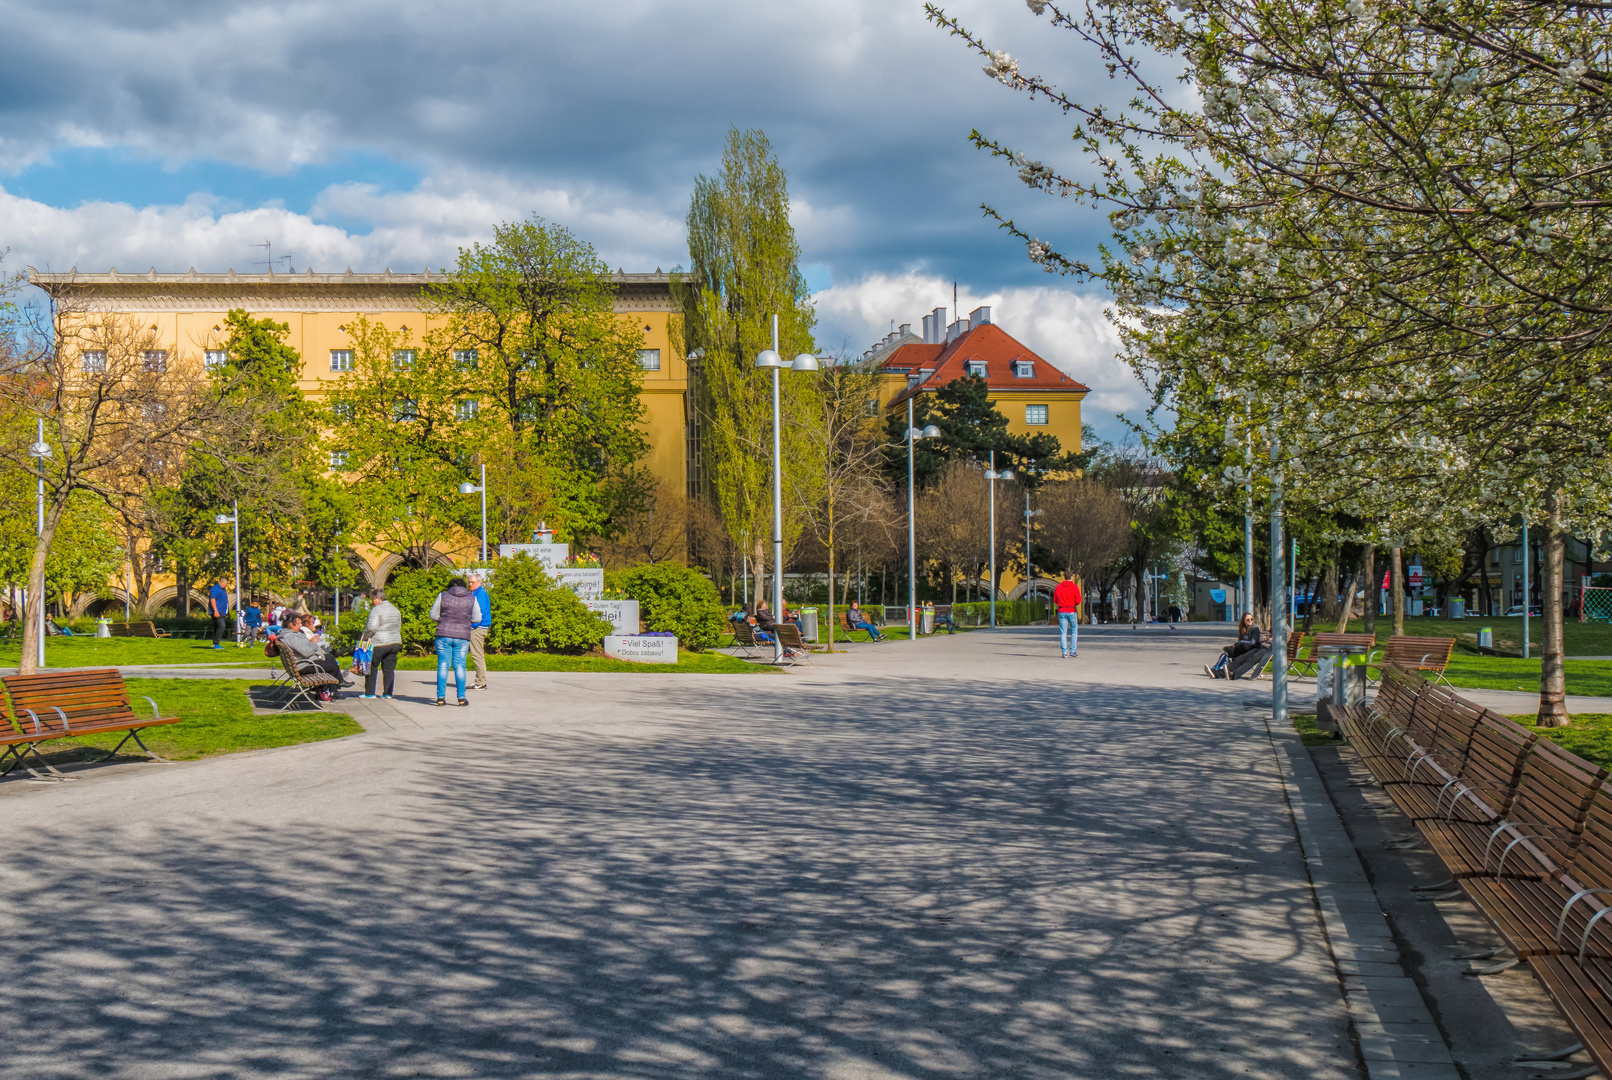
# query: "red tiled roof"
[988,342]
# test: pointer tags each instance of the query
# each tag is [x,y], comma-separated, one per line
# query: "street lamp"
[770,359]
[467,488]
[1029,568]
[993,476]
[930,431]
[234,519]
[39,451]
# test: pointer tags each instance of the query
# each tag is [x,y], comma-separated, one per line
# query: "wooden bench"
[795,647]
[1430,654]
[137,629]
[1294,642]
[71,704]
[306,684]
[1321,640]
[744,637]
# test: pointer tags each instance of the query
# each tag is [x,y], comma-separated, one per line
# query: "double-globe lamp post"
[993,476]
[913,435]
[39,451]
[769,359]
[467,488]
[234,518]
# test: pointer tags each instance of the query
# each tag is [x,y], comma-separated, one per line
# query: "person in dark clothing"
[218,608]
[384,630]
[305,655]
[1249,638]
[454,610]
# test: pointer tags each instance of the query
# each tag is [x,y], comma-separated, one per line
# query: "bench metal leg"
[20,751]
[1555,1055]
[1493,969]
[303,693]
[134,733]
[1447,883]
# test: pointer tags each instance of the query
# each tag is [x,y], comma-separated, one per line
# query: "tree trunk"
[1348,605]
[1396,581]
[1373,589]
[1552,673]
[34,625]
[1329,599]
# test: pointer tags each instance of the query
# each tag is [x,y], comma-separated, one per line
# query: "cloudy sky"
[176,133]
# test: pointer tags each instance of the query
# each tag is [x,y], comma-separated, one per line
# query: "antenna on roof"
[268,248]
[954,301]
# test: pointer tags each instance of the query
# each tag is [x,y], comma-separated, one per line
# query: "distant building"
[1034,395]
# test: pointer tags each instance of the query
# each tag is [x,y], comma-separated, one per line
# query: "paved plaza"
[958,858]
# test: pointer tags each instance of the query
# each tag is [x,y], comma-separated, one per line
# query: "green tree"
[551,374]
[744,271]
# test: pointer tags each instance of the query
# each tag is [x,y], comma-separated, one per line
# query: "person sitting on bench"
[1249,638]
[305,655]
[859,621]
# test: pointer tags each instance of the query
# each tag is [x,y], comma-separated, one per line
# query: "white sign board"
[588,584]
[642,650]
[623,614]
[546,555]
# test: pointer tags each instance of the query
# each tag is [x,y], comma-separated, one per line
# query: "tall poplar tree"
[743,270]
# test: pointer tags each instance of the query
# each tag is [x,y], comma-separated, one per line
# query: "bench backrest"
[1360,641]
[1427,653]
[89,699]
[1397,694]
[789,635]
[1556,788]
[1495,758]
[1295,639]
[744,633]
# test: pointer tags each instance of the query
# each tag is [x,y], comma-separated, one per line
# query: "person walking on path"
[1066,601]
[453,610]
[478,629]
[384,629]
[218,606]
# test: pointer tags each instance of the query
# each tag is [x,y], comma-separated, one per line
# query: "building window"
[215,359]
[341,359]
[1035,415]
[649,359]
[467,410]
[338,459]
[342,410]
[976,368]
[872,406]
[95,362]
[155,359]
[403,409]
[465,360]
[403,359]
[1024,369]
[1516,554]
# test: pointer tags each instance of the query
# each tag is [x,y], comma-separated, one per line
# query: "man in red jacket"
[1066,601]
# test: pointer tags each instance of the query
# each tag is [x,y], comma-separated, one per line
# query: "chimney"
[928,330]
[980,316]
[906,328]
[939,315]
[956,330]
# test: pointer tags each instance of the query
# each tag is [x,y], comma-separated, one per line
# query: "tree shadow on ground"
[902,879]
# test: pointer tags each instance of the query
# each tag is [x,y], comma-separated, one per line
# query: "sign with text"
[545,555]
[623,614]
[642,650]
[586,583]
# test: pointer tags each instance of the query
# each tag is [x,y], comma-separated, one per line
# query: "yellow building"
[186,311]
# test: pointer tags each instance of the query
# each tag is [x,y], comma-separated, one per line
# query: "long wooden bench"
[137,629]
[71,704]
[1523,827]
[1430,654]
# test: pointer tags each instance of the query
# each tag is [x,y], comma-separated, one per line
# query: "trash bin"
[927,625]
[1457,609]
[808,624]
[103,627]
[1486,637]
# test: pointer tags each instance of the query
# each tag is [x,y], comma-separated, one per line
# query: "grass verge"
[1592,677]
[688,663]
[215,718]
[120,652]
[1304,724]
[1589,736]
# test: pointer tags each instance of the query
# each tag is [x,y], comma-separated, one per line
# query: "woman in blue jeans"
[454,611]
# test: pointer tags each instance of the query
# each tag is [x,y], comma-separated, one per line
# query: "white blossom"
[1003,68]
[1036,6]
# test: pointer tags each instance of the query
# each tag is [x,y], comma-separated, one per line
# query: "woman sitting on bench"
[1249,639]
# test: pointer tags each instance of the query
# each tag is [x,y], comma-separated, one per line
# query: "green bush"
[531,612]
[414,591]
[1008,613]
[679,599]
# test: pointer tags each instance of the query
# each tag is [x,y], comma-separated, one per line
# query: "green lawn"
[1589,736]
[688,663]
[1583,639]
[1592,677]
[215,718]
[119,652]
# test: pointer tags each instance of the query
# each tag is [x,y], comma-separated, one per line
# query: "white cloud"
[1066,328]
[410,230]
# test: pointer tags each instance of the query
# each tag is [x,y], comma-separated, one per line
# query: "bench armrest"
[155,713]
[1545,832]
[1561,923]
[37,729]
